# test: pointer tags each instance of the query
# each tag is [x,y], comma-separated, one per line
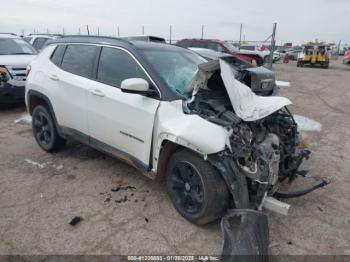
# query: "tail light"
[28,70]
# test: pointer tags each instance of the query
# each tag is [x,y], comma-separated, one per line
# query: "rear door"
[71,79]
[119,120]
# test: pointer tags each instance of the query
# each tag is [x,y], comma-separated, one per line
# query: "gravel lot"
[40,193]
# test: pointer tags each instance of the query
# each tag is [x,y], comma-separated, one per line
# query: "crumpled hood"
[16,60]
[246,104]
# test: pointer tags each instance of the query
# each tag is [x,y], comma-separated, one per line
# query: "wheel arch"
[35,98]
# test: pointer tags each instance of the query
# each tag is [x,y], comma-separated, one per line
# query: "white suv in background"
[15,55]
[168,112]
[38,41]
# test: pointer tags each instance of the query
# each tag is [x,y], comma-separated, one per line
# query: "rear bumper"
[10,93]
[346,61]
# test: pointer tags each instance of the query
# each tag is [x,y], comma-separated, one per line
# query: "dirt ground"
[40,193]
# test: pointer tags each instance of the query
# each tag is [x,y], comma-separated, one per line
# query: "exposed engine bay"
[263,146]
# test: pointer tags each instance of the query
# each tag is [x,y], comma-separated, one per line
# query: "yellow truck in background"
[314,54]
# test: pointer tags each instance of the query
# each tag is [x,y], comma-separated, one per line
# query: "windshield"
[176,68]
[15,46]
[230,47]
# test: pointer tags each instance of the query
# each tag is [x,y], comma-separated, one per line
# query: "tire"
[196,188]
[267,59]
[45,131]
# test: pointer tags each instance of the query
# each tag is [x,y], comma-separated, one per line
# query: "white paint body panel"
[121,120]
[190,131]
[247,105]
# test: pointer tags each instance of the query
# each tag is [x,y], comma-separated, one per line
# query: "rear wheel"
[45,131]
[196,189]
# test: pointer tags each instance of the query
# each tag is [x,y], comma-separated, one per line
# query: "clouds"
[297,20]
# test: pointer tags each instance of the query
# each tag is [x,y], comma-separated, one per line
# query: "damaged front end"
[262,150]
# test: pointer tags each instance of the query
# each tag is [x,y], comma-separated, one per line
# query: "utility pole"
[272,47]
[79,31]
[143,30]
[87,29]
[202,31]
[63,31]
[98,31]
[170,33]
[240,37]
[339,47]
[118,31]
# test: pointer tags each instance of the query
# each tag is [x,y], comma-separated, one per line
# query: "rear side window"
[40,42]
[185,44]
[216,47]
[199,44]
[27,39]
[116,65]
[247,47]
[79,60]
[57,56]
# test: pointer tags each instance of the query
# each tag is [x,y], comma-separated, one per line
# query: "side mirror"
[137,86]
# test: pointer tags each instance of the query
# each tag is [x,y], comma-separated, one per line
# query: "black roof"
[113,41]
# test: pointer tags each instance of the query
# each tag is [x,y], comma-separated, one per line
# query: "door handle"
[97,92]
[54,77]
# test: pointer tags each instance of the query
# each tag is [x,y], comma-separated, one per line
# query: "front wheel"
[267,59]
[196,189]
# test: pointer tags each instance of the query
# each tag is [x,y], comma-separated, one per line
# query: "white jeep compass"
[168,112]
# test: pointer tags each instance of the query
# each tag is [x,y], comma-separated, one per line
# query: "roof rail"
[98,36]
[148,38]
[45,34]
[4,33]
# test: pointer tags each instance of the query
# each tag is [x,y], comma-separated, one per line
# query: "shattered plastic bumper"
[246,236]
[11,93]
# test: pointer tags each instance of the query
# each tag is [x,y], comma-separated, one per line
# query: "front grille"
[18,73]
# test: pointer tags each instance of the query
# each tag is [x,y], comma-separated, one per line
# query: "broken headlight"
[4,75]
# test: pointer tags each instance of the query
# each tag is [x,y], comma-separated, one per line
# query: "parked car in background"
[346,59]
[222,47]
[15,55]
[253,49]
[38,40]
[293,54]
[261,80]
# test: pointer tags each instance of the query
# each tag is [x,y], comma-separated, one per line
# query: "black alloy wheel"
[44,130]
[196,188]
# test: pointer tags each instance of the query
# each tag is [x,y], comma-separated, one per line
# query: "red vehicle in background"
[346,59]
[221,46]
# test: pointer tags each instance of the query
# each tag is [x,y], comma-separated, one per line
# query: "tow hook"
[246,236]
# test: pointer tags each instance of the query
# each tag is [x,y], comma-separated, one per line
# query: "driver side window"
[116,65]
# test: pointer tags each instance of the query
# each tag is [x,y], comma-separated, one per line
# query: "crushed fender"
[246,236]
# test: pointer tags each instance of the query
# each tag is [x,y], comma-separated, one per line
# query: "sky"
[298,21]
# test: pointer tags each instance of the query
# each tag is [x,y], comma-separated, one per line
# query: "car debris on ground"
[76,220]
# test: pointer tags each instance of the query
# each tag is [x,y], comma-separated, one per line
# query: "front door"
[117,119]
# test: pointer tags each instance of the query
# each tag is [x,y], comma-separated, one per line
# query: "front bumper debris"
[10,93]
[246,236]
